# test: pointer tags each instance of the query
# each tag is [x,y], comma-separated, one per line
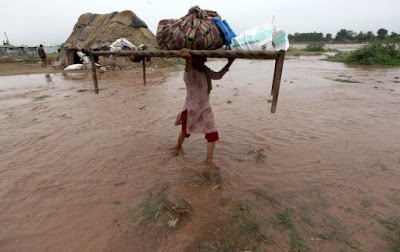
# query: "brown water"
[75,166]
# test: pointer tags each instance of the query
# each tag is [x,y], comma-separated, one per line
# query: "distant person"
[58,54]
[42,55]
[196,115]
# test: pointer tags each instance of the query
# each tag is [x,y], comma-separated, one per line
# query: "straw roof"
[98,31]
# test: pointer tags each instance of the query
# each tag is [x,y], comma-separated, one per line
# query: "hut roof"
[98,31]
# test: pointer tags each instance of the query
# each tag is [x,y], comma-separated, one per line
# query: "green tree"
[304,37]
[328,37]
[345,36]
[370,35]
[382,33]
[361,37]
[394,37]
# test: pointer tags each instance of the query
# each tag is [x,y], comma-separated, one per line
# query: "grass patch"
[339,57]
[154,203]
[156,208]
[41,98]
[180,62]
[285,219]
[50,56]
[314,48]
[394,233]
[247,227]
[296,240]
[150,208]
[237,232]
[344,80]
[366,203]
[301,52]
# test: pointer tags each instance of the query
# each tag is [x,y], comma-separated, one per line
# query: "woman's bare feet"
[210,164]
[176,151]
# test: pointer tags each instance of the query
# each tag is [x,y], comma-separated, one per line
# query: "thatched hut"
[98,31]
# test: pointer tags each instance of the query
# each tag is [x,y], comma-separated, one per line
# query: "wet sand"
[322,173]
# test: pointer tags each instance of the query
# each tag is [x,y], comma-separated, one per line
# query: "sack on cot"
[263,37]
[195,31]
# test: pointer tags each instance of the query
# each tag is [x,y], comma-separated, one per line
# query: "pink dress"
[200,117]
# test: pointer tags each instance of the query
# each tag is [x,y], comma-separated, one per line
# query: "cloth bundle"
[195,31]
[122,44]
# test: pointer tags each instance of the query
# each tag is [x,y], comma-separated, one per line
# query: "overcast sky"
[28,22]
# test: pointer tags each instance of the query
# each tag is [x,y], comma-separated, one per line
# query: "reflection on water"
[76,75]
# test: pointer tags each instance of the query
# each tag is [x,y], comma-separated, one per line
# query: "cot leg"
[277,80]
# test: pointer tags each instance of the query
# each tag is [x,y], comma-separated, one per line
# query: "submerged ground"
[87,172]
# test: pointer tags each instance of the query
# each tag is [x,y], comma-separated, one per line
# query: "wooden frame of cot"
[277,56]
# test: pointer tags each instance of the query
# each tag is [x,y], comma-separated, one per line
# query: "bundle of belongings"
[195,31]
[205,30]
[122,44]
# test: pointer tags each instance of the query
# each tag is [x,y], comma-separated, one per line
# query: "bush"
[377,53]
[315,48]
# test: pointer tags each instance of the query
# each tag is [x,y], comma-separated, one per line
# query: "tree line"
[346,36]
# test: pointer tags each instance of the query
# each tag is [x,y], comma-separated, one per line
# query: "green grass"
[314,48]
[153,204]
[50,56]
[149,210]
[339,57]
[41,98]
[180,61]
[296,240]
[307,42]
[302,52]
[285,219]
[394,233]
[245,229]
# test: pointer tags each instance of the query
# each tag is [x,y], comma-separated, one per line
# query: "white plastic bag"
[263,37]
[85,59]
[280,40]
[74,67]
[122,44]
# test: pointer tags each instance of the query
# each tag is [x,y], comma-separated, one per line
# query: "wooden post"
[144,71]
[94,71]
[277,80]
[273,80]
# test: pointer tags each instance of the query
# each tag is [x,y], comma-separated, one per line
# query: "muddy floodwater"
[78,170]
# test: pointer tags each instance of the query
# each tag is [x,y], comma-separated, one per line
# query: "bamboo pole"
[94,71]
[259,54]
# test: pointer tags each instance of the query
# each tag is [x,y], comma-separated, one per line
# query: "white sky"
[28,22]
